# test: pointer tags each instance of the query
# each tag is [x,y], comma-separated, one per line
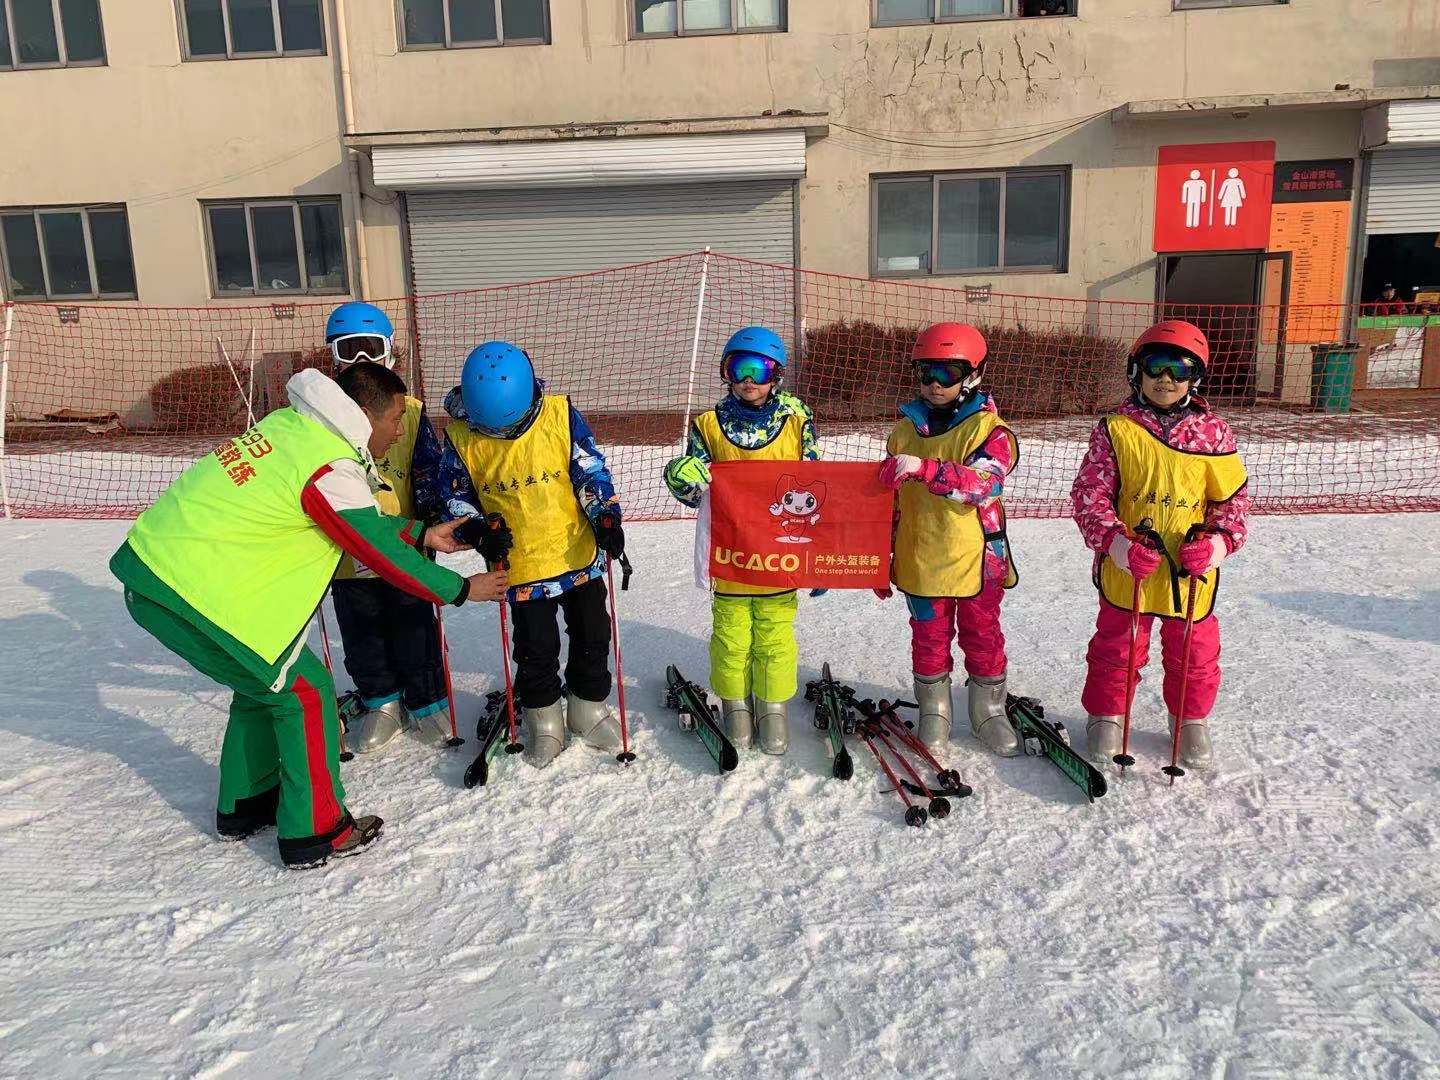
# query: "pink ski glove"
[1137,560]
[901,467]
[971,485]
[1203,554]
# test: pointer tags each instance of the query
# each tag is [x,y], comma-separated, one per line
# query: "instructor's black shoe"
[250,815]
[348,838]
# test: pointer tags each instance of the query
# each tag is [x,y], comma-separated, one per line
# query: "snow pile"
[1275,918]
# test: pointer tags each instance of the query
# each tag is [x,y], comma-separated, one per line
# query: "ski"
[1041,737]
[961,792]
[698,715]
[490,733]
[835,715]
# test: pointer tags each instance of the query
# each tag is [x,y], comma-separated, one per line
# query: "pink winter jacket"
[1097,484]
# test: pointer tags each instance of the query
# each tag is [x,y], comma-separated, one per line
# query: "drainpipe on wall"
[347,118]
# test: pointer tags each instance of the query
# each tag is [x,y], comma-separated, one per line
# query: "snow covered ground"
[1275,918]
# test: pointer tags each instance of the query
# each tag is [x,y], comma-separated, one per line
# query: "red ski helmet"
[950,342]
[1169,334]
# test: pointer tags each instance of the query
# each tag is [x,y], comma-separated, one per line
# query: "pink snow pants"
[1109,652]
[973,622]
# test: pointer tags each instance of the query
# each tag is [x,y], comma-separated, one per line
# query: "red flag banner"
[800,524]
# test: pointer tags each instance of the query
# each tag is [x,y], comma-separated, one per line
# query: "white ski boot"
[1195,748]
[932,693]
[1104,738]
[774,726]
[987,716]
[592,722]
[544,734]
[738,721]
[376,728]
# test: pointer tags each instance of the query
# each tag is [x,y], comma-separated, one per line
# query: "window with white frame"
[239,29]
[1191,5]
[50,33]
[67,253]
[461,24]
[999,221]
[680,18]
[265,246]
[907,12]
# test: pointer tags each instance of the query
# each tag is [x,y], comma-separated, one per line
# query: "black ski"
[698,715]
[963,791]
[835,715]
[490,733]
[1041,737]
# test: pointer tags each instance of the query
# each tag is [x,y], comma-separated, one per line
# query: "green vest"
[230,537]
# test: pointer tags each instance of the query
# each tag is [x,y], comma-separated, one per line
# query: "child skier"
[392,648]
[532,457]
[752,638]
[949,456]
[1163,456]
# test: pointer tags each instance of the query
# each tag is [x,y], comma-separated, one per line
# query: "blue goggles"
[760,370]
[1178,365]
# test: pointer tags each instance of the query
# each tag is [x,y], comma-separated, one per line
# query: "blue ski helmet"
[497,385]
[358,331]
[758,340]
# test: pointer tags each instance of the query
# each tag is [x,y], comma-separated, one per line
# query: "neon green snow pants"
[752,647]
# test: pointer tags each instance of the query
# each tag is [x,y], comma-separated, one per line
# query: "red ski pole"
[1173,769]
[625,757]
[514,746]
[889,718]
[939,806]
[454,739]
[914,815]
[1124,759]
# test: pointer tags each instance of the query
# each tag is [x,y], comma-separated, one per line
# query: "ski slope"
[1275,918]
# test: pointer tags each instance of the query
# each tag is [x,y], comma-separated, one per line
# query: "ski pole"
[345,755]
[625,757]
[914,815]
[888,716]
[1173,769]
[1124,759]
[939,806]
[514,746]
[454,739]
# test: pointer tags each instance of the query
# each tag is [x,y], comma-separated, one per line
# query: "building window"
[67,253]
[50,33]
[462,24]
[236,29]
[1191,5]
[276,246]
[971,222]
[679,18]
[907,12]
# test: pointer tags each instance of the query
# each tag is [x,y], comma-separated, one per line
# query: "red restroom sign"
[1214,196]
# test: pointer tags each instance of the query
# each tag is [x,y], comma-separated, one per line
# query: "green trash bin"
[1332,376]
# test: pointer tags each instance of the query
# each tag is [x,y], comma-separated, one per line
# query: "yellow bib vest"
[940,542]
[230,537]
[1172,488]
[527,479]
[394,470]
[787,445]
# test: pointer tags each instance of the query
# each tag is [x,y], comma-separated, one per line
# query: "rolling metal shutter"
[1404,192]
[469,240]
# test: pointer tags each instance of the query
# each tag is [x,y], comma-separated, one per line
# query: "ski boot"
[739,721]
[544,734]
[1104,738]
[592,722]
[774,726]
[350,837]
[987,716]
[932,692]
[251,814]
[377,727]
[1195,748]
[433,727]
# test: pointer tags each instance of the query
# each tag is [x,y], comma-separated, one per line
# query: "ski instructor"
[230,564]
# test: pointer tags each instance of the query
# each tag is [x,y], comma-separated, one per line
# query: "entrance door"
[1223,295]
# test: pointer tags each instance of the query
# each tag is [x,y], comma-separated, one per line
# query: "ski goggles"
[943,373]
[760,370]
[352,348]
[1179,366]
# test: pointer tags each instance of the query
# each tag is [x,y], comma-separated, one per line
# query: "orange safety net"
[106,404]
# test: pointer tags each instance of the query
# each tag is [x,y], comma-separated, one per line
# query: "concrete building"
[209,152]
